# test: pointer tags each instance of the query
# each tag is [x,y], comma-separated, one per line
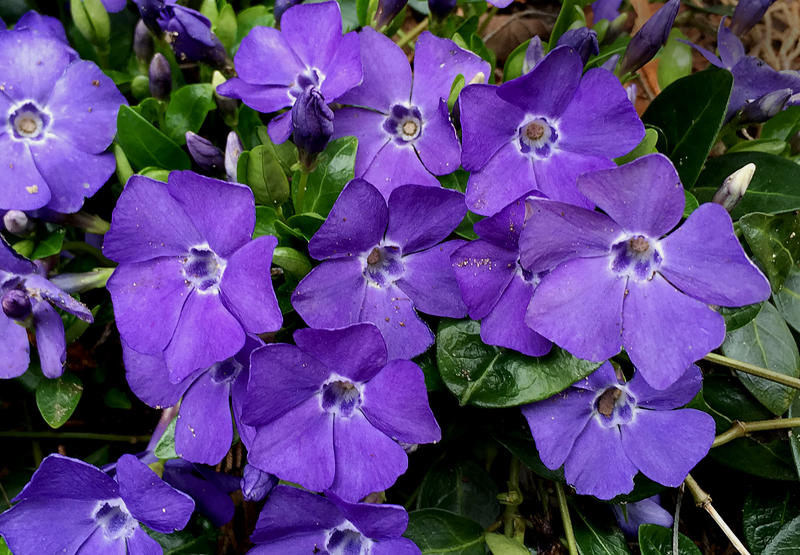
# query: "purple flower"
[203,431]
[208,489]
[606,9]
[582,40]
[189,33]
[381,263]
[255,484]
[604,431]
[74,508]
[330,411]
[616,282]
[44,24]
[61,115]
[191,283]
[747,14]
[404,131]
[114,6]
[309,51]
[646,43]
[297,521]
[646,511]
[26,298]
[542,130]
[495,287]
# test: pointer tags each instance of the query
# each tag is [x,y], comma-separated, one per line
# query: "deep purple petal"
[292,512]
[556,232]
[280,128]
[678,394]
[203,429]
[438,145]
[148,378]
[397,165]
[15,351]
[147,222]
[142,544]
[44,526]
[488,123]
[420,217]
[246,287]
[264,43]
[99,543]
[376,522]
[302,542]
[665,331]
[347,71]
[556,176]
[731,49]
[483,272]
[578,306]
[332,294]
[24,188]
[367,127]
[357,352]
[396,403]
[150,500]
[205,486]
[646,511]
[704,259]
[12,262]
[505,326]
[367,460]
[602,378]
[148,298]
[43,288]
[666,445]
[30,65]
[507,176]
[598,465]
[431,283]
[355,225]
[314,32]
[393,312]
[263,98]
[60,477]
[50,341]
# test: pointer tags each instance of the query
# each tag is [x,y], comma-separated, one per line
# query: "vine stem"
[514,498]
[753,370]
[703,500]
[565,519]
[413,33]
[77,435]
[740,429]
[301,192]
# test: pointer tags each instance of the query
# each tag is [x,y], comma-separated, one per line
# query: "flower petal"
[30,65]
[263,98]
[148,378]
[483,272]
[357,352]
[430,282]
[598,465]
[50,340]
[374,521]
[23,188]
[393,312]
[397,165]
[438,145]
[203,429]
[488,123]
[265,43]
[15,351]
[676,395]
[507,176]
[314,32]
[142,544]
[347,72]
[292,512]
[398,546]
[505,326]
[332,294]
[41,525]
[367,127]
[556,176]
[420,217]
[60,477]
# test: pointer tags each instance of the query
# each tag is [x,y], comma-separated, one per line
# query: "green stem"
[567,521]
[414,33]
[754,370]
[77,435]
[514,498]
[489,17]
[78,246]
[301,192]
[740,429]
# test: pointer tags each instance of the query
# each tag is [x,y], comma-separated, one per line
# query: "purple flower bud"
[533,54]
[233,149]
[283,5]
[441,8]
[17,304]
[256,485]
[143,43]
[651,37]
[734,187]
[149,10]
[747,14]
[18,223]
[388,10]
[611,63]
[207,156]
[633,92]
[581,40]
[312,121]
[160,77]
[189,33]
[765,107]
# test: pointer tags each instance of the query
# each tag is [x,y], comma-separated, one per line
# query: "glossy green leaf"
[165,448]
[787,300]
[768,459]
[764,513]
[775,243]
[675,60]
[691,204]
[292,261]
[726,399]
[144,145]
[427,361]
[769,146]
[647,146]
[253,17]
[513,66]
[739,317]
[58,398]
[266,178]
[657,540]
[227,28]
[596,532]
[565,18]
[306,224]
[187,110]
[285,152]
[116,399]
[772,190]
[198,538]
[787,540]
[766,342]
[265,222]
[50,245]
[691,128]
[501,545]
[440,532]
[461,487]
[335,167]
[522,446]
[487,376]
[783,125]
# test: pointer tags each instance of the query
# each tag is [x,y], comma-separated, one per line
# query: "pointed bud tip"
[734,187]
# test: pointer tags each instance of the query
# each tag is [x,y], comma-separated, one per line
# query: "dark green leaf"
[675,60]
[643,487]
[738,317]
[284,295]
[253,17]
[787,300]
[783,125]
[336,166]
[787,540]
[144,145]
[691,128]
[647,146]
[265,222]
[307,224]
[523,447]
[187,110]
[198,538]
[596,532]
[439,532]
[266,178]
[657,540]
[771,191]
[501,545]
[461,487]
[770,459]
[116,399]
[227,27]
[285,152]
[513,66]
[775,243]
[58,398]
[727,400]
[292,261]
[565,18]
[488,376]
[165,448]
[50,245]
[433,381]
[763,515]
[769,146]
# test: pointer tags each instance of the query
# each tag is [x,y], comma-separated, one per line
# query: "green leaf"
[771,191]
[596,532]
[783,125]
[691,127]
[522,446]
[565,18]
[513,66]
[787,300]
[786,541]
[727,400]
[657,540]
[227,28]
[458,182]
[266,178]
[50,245]
[307,224]
[766,342]
[647,146]
[691,203]
[770,146]
[501,545]
[488,376]
[265,222]
[461,487]
[285,152]
[144,145]
[198,538]
[251,18]
[739,317]
[291,260]
[165,448]
[116,399]
[775,243]
[436,531]
[675,60]
[336,166]
[764,514]
[187,110]
[433,381]
[58,398]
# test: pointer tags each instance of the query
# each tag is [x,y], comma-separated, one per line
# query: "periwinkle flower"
[533,54]
[383,262]
[542,130]
[747,14]
[582,40]
[208,489]
[150,10]
[256,484]
[61,116]
[191,283]
[312,123]
[204,153]
[329,526]
[26,302]
[73,508]
[18,223]
[606,9]
[329,411]
[189,33]
[43,24]
[308,51]
[404,131]
[387,10]
[646,511]
[604,431]
[765,107]
[494,286]
[615,281]
[646,43]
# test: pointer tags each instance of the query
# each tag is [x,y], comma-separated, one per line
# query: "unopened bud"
[734,187]
[651,37]
[233,149]
[256,484]
[533,55]
[189,33]
[91,19]
[143,44]
[160,77]
[227,107]
[207,156]
[764,107]
[18,223]
[441,8]
[149,11]
[747,14]
[312,121]
[581,40]
[388,10]
[479,79]
[408,447]
[16,305]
